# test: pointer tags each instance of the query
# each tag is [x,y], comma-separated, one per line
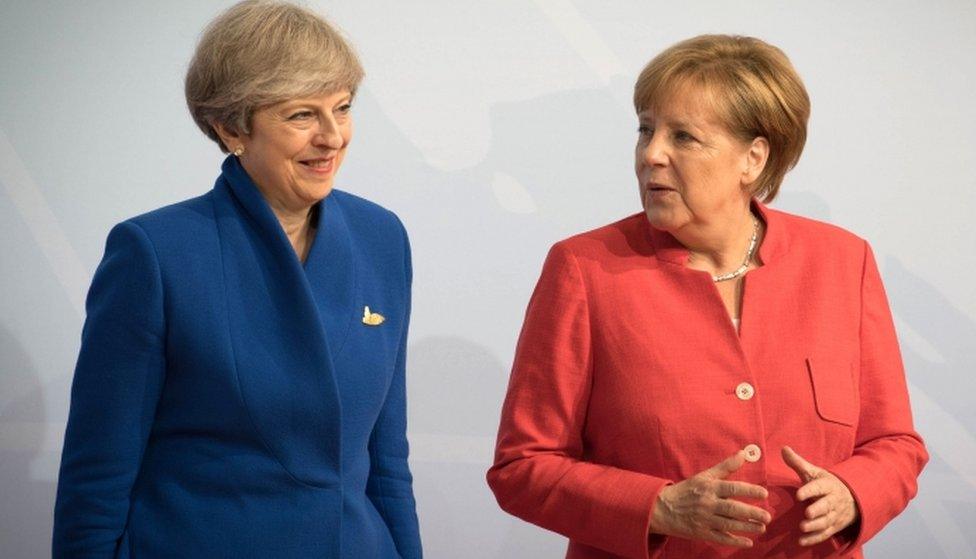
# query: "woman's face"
[296,147]
[690,169]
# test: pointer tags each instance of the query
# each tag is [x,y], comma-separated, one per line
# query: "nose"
[653,152]
[329,134]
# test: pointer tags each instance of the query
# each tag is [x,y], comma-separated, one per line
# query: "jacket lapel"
[763,296]
[331,273]
[284,364]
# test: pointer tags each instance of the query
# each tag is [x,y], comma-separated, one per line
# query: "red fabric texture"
[625,374]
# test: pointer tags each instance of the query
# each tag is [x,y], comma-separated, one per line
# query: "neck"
[298,228]
[718,247]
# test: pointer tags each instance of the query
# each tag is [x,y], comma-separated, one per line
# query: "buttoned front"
[624,374]
[753,453]
[745,391]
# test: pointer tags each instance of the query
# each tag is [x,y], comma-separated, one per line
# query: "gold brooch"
[372,318]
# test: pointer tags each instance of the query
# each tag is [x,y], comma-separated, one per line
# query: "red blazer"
[629,376]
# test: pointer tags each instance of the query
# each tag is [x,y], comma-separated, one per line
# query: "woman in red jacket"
[710,377]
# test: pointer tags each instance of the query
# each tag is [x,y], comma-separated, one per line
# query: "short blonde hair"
[259,53]
[754,90]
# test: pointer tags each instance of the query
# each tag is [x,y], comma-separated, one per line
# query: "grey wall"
[493,129]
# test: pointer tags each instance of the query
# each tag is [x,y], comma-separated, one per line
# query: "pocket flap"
[833,390]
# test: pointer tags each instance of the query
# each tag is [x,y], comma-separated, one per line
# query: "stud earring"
[239,151]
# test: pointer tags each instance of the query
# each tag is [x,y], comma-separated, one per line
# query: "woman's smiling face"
[295,148]
[690,169]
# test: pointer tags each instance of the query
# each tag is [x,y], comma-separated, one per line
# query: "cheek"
[346,140]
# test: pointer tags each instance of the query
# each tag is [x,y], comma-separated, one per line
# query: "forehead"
[684,104]
[328,98]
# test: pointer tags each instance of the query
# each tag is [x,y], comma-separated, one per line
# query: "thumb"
[804,469]
[726,467]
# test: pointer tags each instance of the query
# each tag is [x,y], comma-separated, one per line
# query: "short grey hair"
[259,53]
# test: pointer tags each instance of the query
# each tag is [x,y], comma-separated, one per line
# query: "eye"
[645,131]
[301,115]
[681,136]
[344,109]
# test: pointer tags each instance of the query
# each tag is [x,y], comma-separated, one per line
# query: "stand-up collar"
[251,199]
[285,324]
[774,244]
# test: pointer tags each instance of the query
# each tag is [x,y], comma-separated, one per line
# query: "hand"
[702,507]
[832,511]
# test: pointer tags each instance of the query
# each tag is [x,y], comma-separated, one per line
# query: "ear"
[231,138]
[755,160]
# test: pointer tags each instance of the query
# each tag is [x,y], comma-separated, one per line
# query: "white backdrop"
[493,129]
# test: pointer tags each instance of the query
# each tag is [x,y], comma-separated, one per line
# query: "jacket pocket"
[834,391]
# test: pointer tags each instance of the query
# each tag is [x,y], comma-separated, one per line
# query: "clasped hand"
[708,507]
[833,507]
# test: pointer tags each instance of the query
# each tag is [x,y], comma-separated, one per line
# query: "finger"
[817,524]
[816,488]
[742,511]
[741,490]
[725,467]
[731,525]
[724,538]
[820,507]
[814,539]
[804,469]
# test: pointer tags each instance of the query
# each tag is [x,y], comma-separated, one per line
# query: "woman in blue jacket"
[240,387]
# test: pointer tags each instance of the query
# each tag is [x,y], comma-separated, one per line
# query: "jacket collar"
[774,245]
[286,321]
[329,271]
[251,199]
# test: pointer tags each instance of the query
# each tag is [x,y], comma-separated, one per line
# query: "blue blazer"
[230,401]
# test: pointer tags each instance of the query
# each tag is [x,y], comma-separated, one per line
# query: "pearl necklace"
[745,262]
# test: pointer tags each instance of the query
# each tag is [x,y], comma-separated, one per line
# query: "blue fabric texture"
[229,400]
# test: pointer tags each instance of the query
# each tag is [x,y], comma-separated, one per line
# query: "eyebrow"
[671,123]
[297,103]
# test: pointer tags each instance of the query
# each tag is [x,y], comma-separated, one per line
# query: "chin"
[319,192]
[661,219]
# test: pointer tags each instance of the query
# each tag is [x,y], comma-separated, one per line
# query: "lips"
[656,187]
[319,164]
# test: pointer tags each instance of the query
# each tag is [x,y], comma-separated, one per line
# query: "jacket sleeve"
[390,484]
[539,473]
[888,454]
[116,386]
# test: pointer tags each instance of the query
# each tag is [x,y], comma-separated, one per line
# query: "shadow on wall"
[937,364]
[807,204]
[457,387]
[460,384]
[26,506]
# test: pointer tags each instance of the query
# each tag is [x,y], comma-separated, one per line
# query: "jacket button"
[745,391]
[753,453]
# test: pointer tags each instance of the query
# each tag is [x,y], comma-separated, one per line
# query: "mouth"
[657,188]
[321,165]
